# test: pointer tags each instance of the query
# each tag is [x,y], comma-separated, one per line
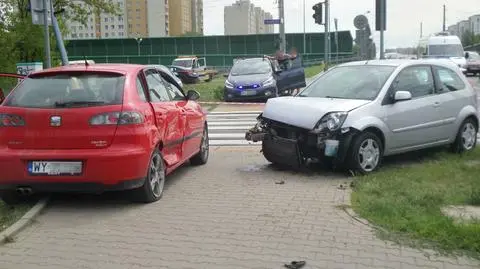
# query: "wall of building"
[158,18]
[243,18]
[475,24]
[180,17]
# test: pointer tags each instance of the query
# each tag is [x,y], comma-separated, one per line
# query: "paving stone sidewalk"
[227,214]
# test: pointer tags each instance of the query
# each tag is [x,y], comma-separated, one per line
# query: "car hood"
[305,112]
[248,79]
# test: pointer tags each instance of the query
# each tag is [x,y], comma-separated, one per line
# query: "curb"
[7,235]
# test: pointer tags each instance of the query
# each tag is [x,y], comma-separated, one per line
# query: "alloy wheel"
[157,175]
[469,136]
[369,155]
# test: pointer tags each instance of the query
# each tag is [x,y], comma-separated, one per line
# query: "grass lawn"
[9,214]
[213,90]
[406,201]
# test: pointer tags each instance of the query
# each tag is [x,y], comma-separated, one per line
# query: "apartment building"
[243,18]
[475,24]
[197,16]
[138,18]
[158,15]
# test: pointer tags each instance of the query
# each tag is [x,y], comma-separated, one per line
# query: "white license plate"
[246,93]
[54,168]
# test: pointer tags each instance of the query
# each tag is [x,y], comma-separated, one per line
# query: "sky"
[403,16]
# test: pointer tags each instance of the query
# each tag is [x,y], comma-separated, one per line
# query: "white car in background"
[444,46]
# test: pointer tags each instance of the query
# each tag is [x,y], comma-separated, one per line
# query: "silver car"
[357,113]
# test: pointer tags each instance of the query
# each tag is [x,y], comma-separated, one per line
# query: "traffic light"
[318,16]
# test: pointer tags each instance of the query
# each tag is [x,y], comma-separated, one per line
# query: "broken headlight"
[330,122]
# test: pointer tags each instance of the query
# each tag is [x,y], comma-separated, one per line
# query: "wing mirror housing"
[402,96]
[193,95]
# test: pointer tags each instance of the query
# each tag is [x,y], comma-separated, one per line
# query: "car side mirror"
[2,96]
[225,75]
[193,95]
[402,96]
[467,55]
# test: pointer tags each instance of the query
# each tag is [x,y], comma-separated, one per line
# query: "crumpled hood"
[305,112]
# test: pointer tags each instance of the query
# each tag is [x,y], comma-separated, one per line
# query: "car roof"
[403,62]
[116,68]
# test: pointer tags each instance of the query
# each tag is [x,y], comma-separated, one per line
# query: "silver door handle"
[436,104]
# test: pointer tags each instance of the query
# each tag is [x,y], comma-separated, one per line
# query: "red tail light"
[9,120]
[120,118]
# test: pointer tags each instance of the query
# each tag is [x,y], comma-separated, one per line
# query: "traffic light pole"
[281,13]
[327,34]
[48,62]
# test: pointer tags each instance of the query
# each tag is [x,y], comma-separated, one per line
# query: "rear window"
[66,90]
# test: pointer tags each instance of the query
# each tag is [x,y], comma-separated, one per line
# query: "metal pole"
[46,34]
[382,27]
[281,13]
[326,36]
[444,18]
[58,37]
[336,39]
[304,32]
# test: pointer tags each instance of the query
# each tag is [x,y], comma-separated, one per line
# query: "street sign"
[27,68]
[272,21]
[36,7]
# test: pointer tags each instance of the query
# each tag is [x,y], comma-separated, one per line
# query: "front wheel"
[201,157]
[466,139]
[366,153]
[152,189]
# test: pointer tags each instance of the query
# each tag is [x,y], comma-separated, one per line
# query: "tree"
[23,41]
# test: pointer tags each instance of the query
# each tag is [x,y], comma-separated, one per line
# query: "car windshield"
[183,62]
[449,50]
[251,67]
[350,82]
[70,89]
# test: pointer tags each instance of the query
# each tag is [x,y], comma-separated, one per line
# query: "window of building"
[120,18]
[74,35]
[106,19]
[91,34]
[106,27]
[80,28]
[112,19]
[112,26]
[120,26]
[121,34]
[81,35]
[106,34]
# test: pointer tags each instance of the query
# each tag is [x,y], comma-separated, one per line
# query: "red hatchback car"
[94,128]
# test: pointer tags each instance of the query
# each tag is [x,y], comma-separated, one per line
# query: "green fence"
[218,50]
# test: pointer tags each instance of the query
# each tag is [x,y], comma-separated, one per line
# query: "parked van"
[444,45]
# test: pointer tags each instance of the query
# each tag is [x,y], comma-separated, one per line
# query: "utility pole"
[421,29]
[47,34]
[336,39]
[281,13]
[444,18]
[327,34]
[381,11]
[304,32]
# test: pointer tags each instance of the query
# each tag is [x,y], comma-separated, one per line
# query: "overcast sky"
[403,16]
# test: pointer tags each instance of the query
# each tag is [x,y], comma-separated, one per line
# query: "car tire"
[11,197]
[374,155]
[466,138]
[201,157]
[152,189]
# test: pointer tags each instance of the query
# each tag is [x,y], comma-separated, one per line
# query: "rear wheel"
[152,189]
[466,139]
[202,156]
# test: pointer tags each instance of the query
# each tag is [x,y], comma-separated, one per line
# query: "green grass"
[407,200]
[10,214]
[213,90]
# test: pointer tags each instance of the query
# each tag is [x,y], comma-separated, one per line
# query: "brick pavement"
[227,214]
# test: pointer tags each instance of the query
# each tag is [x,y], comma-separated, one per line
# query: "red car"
[96,128]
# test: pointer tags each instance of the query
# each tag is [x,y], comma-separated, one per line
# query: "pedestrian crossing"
[228,128]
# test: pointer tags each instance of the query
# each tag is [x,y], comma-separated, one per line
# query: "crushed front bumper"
[298,145]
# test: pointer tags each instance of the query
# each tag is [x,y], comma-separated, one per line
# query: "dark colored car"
[261,79]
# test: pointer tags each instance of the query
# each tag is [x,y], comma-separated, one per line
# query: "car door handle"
[436,104]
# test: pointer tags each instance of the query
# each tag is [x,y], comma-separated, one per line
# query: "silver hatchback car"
[358,112]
